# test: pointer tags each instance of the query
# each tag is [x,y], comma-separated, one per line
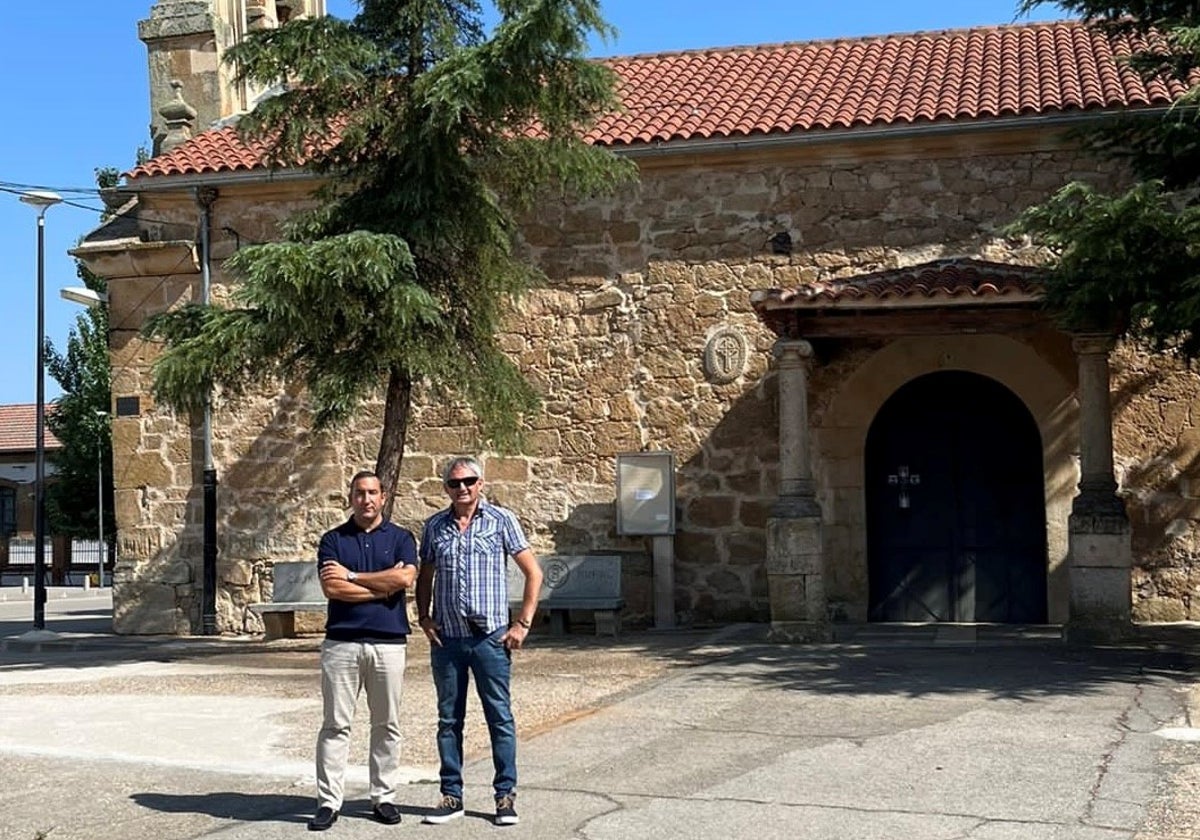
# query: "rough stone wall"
[1156,431]
[615,342]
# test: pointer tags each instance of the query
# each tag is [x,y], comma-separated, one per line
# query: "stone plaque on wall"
[725,355]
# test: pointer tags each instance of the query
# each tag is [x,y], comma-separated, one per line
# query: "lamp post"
[92,299]
[101,417]
[40,200]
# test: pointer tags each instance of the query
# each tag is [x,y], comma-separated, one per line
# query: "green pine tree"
[402,272]
[1130,261]
[80,421]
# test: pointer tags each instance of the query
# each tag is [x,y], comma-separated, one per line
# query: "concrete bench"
[575,582]
[297,589]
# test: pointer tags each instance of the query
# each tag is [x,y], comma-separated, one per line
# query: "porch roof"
[949,295]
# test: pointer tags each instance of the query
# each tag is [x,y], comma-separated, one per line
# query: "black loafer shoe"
[386,813]
[323,819]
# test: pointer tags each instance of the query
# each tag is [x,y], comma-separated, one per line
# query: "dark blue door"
[956,517]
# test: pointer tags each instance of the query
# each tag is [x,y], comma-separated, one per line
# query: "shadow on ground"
[738,653]
[233,806]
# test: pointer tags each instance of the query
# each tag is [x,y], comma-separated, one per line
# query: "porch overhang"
[956,295]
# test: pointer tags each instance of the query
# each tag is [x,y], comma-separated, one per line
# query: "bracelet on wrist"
[522,622]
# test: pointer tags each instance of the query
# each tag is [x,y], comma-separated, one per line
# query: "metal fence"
[84,562]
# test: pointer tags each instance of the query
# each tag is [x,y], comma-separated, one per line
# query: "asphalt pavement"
[710,733]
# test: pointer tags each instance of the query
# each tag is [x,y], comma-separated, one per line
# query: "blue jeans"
[484,657]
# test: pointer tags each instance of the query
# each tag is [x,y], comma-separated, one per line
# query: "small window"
[8,511]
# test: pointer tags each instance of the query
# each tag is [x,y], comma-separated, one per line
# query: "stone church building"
[809,298]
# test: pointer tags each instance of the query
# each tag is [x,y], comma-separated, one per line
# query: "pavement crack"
[614,798]
[1121,724]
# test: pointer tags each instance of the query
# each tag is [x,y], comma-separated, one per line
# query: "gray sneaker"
[506,812]
[449,808]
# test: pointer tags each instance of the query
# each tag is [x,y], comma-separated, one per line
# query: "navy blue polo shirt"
[368,551]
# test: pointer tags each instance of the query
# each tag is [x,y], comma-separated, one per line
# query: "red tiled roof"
[17,428]
[890,80]
[948,282]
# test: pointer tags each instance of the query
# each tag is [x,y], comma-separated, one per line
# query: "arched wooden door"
[956,517]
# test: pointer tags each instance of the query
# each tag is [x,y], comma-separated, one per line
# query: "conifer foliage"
[1130,262]
[80,421]
[432,138]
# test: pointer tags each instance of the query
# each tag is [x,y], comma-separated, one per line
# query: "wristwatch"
[351,576]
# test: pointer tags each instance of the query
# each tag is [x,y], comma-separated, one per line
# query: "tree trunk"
[395,431]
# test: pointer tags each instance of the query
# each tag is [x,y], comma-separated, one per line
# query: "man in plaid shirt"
[462,604]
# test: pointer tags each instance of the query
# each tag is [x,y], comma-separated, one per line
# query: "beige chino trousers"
[347,668]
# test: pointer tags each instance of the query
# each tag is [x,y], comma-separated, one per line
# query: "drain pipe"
[205,197]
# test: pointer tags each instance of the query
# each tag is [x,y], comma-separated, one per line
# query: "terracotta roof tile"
[18,431]
[774,89]
[948,282]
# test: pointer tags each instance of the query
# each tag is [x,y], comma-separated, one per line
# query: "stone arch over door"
[956,516]
[840,430]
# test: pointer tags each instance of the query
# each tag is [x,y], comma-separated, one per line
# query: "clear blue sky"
[73,87]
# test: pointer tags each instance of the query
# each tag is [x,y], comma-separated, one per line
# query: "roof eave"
[900,303]
[241,177]
[668,147]
[891,131]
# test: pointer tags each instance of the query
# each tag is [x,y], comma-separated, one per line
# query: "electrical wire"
[21,189]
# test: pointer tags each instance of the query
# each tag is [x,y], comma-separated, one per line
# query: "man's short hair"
[462,461]
[363,474]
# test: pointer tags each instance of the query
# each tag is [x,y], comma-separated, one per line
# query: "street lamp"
[40,200]
[92,299]
[83,295]
[102,417]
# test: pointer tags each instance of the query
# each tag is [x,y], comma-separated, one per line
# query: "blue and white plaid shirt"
[470,583]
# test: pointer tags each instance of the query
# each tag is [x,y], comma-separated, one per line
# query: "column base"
[796,570]
[1101,562]
[1093,633]
[800,632]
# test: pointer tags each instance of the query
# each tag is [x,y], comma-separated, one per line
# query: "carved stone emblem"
[556,573]
[725,355]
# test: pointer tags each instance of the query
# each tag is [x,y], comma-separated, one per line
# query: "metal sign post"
[646,507]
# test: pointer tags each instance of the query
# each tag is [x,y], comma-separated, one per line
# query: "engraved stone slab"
[571,576]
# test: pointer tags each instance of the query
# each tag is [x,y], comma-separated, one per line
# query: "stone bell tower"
[186,41]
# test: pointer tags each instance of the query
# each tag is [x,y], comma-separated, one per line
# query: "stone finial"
[261,14]
[286,10]
[179,117]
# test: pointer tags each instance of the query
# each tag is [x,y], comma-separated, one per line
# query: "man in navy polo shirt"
[365,566]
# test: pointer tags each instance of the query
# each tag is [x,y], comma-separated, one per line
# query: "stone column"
[1101,556]
[795,560]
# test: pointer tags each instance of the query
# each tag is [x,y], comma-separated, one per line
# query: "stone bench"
[297,588]
[575,582]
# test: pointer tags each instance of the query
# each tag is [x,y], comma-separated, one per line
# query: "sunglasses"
[455,483]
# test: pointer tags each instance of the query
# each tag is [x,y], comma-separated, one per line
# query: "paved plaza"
[696,734]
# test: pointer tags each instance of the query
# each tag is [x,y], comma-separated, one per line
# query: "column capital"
[1093,343]
[792,352]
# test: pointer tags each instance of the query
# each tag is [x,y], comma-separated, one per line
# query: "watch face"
[352,576]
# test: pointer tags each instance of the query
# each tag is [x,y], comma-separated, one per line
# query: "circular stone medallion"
[556,573]
[725,355]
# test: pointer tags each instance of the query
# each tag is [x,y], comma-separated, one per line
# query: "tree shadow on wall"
[724,493]
[1159,491]
[274,478]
